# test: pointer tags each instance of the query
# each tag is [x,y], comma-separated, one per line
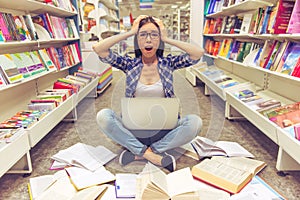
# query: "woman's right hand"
[135,25]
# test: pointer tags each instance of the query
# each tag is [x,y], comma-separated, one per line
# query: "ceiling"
[159,7]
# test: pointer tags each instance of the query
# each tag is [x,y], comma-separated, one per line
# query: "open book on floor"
[58,186]
[154,184]
[230,174]
[202,147]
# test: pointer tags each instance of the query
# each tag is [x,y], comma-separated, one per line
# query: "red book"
[61,85]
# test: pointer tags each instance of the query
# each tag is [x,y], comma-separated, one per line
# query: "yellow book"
[230,174]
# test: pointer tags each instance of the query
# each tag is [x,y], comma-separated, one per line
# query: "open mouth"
[148,48]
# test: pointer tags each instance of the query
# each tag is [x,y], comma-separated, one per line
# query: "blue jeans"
[138,141]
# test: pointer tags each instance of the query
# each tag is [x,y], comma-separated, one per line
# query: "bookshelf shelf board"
[60,41]
[87,89]
[109,4]
[34,77]
[17,44]
[289,144]
[108,33]
[68,67]
[211,56]
[11,153]
[260,121]
[240,8]
[36,7]
[284,76]
[38,130]
[109,18]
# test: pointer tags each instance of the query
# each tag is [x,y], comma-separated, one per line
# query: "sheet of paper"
[126,185]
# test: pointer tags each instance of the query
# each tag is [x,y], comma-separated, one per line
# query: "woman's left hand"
[163,31]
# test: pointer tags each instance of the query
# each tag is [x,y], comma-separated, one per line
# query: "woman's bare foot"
[152,157]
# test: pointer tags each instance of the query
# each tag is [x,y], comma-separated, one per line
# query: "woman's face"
[148,39]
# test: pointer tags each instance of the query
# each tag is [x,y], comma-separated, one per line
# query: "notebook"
[150,113]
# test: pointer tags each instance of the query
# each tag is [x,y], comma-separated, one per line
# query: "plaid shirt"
[132,67]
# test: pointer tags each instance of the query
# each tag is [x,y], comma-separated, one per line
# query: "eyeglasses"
[153,35]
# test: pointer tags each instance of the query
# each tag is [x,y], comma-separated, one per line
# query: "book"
[287,119]
[37,185]
[85,156]
[266,105]
[282,110]
[264,55]
[9,69]
[291,60]
[282,18]
[279,55]
[83,178]
[125,185]
[153,183]
[294,23]
[230,174]
[46,60]
[58,186]
[205,147]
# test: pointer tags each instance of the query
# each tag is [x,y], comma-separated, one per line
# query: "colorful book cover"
[38,63]
[41,19]
[282,110]
[246,24]
[296,71]
[24,63]
[225,47]
[10,69]
[294,23]
[265,52]
[4,28]
[20,27]
[46,60]
[264,26]
[30,26]
[2,38]
[291,60]
[11,26]
[284,13]
[54,57]
[272,55]
[279,55]
[288,49]
[287,119]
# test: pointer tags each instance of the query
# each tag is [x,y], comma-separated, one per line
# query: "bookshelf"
[265,83]
[15,156]
[99,17]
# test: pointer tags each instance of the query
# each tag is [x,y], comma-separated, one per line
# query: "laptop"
[150,113]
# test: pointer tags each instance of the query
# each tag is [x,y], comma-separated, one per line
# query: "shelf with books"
[64,53]
[271,75]
[32,6]
[12,152]
[240,7]
[47,123]
[99,18]
[248,109]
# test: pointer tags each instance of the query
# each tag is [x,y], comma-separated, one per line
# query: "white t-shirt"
[154,90]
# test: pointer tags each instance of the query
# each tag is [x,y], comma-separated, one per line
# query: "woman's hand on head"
[136,22]
[163,31]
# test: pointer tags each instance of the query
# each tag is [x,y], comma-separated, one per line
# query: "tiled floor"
[211,110]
